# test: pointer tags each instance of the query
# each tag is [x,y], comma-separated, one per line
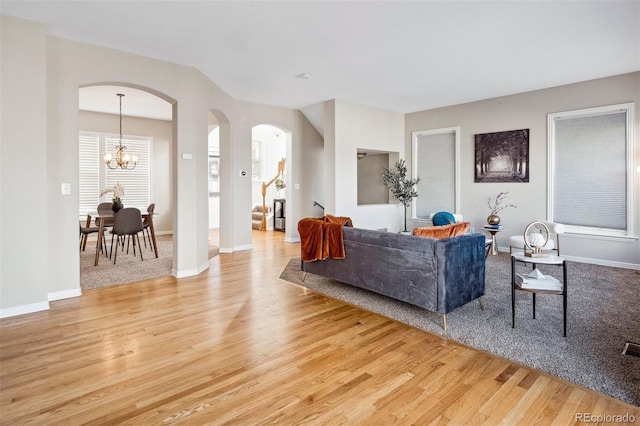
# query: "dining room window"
[94,175]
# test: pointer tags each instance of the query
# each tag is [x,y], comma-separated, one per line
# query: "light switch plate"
[65,189]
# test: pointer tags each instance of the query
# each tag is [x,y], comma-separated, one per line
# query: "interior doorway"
[268,168]
[143,124]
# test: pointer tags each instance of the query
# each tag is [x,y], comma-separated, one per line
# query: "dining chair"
[85,231]
[104,209]
[145,225]
[127,222]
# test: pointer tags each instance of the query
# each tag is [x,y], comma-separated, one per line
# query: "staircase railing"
[315,203]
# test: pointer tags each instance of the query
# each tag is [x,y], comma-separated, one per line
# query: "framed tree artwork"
[502,156]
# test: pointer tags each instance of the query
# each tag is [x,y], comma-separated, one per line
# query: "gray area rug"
[129,268]
[603,313]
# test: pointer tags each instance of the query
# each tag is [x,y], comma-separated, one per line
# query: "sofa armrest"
[461,271]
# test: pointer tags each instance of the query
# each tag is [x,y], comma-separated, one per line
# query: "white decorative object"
[536,274]
[536,240]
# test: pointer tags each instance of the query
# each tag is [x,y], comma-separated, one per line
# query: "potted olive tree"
[403,188]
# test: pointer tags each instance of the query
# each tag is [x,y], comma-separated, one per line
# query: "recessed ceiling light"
[303,76]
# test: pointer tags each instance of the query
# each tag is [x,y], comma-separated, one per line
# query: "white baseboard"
[24,309]
[292,240]
[65,294]
[227,250]
[190,272]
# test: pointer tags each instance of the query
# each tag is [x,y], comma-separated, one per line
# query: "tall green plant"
[403,188]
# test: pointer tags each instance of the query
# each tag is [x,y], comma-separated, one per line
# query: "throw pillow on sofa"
[440,232]
[443,218]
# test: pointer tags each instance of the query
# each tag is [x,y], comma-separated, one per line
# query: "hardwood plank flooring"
[237,345]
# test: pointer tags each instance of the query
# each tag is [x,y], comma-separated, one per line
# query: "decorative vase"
[493,219]
[116,207]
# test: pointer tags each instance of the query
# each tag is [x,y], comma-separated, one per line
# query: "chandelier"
[120,158]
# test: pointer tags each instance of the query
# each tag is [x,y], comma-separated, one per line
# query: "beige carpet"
[129,268]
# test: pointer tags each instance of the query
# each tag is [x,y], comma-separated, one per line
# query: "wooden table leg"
[153,235]
[99,242]
[85,237]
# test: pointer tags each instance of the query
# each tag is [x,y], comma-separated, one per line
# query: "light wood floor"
[237,345]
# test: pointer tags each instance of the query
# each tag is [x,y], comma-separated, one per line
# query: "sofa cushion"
[444,231]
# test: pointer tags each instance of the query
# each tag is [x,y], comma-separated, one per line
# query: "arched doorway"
[147,127]
[268,150]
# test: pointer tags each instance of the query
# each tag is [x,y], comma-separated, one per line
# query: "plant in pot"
[118,192]
[496,207]
[402,187]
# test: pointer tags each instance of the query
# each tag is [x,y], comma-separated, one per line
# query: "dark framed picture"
[502,156]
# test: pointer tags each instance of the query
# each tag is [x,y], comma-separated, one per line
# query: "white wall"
[353,127]
[41,76]
[300,134]
[160,164]
[23,170]
[529,111]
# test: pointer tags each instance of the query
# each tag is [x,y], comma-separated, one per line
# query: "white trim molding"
[24,309]
[65,294]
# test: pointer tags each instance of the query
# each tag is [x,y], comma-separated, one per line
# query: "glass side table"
[550,260]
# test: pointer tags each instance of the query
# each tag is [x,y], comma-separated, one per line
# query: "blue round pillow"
[443,218]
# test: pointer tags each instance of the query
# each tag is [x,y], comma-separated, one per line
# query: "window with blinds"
[89,169]
[435,161]
[590,181]
[257,167]
[95,175]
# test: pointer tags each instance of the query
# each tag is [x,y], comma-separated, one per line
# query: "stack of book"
[536,281]
[492,226]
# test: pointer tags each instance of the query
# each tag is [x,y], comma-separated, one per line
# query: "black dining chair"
[127,222]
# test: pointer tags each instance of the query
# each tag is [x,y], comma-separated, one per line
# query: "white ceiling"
[395,55]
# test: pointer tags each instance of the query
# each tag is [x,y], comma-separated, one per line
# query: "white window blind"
[434,157]
[89,172]
[590,174]
[257,168]
[94,175]
[136,181]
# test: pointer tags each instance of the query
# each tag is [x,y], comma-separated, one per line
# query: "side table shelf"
[551,260]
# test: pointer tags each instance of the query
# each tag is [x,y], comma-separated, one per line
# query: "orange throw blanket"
[322,238]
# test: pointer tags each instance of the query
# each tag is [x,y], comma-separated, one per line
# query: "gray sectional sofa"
[438,275]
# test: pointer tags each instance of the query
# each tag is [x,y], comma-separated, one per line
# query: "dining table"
[108,218]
